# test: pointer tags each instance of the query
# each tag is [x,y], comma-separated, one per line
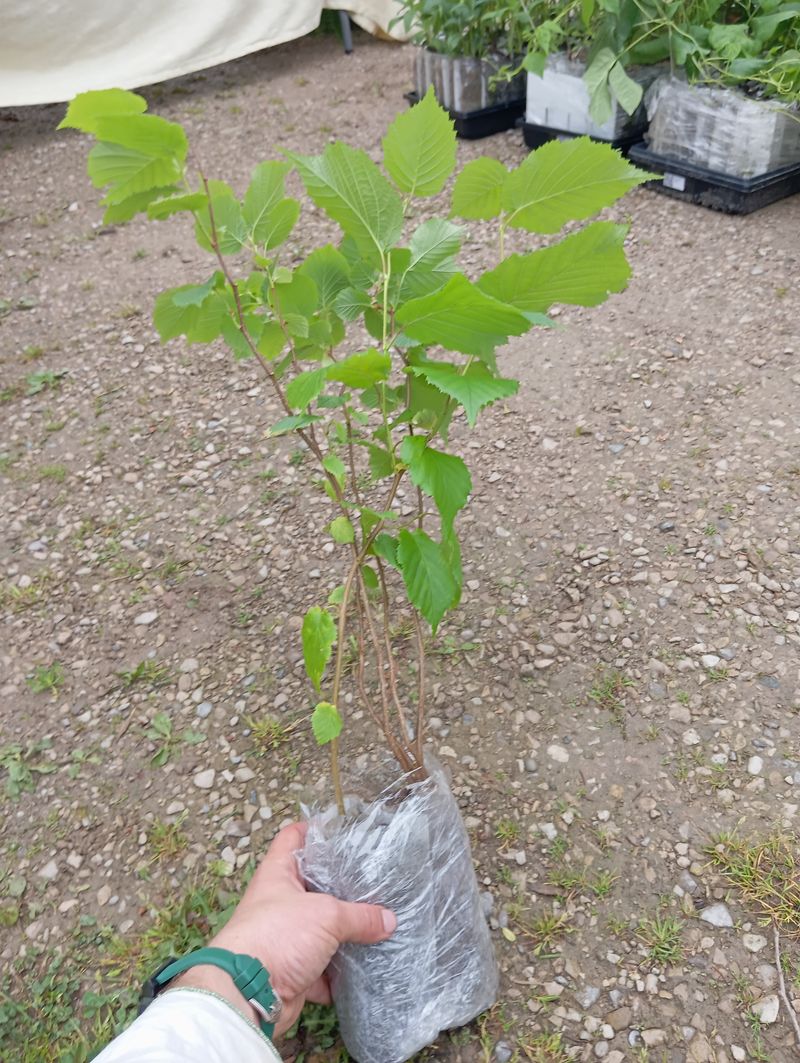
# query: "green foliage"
[375,419]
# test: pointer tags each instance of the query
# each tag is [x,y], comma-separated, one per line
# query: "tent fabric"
[50,50]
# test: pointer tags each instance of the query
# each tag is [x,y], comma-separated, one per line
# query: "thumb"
[364,924]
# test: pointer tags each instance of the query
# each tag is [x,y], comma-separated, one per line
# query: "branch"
[419,737]
[782,985]
[387,638]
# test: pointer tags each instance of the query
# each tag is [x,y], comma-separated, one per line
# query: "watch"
[249,976]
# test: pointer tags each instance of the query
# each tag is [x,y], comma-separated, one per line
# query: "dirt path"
[619,690]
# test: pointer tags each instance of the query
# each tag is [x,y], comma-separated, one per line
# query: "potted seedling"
[376,349]
[462,47]
[725,126]
[587,68]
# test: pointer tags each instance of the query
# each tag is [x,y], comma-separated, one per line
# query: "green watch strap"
[249,976]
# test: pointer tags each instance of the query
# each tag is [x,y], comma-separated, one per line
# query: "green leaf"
[326,723]
[274,227]
[291,424]
[596,80]
[147,134]
[460,317]
[350,188]
[627,91]
[264,193]
[336,467]
[163,208]
[361,370]
[567,180]
[341,530]
[271,341]
[444,477]
[381,463]
[419,150]
[478,189]
[319,635]
[429,582]
[305,387]
[581,270]
[130,172]
[199,323]
[232,232]
[474,389]
[350,303]
[385,546]
[431,262]
[329,271]
[88,107]
[124,211]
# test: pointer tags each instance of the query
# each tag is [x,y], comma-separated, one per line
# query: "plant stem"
[336,777]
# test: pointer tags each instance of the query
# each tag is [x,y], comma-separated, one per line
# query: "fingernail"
[389,921]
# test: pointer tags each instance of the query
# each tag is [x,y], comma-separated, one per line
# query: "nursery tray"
[472,125]
[719,191]
[536,135]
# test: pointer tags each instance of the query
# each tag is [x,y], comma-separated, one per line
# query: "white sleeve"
[190,1026]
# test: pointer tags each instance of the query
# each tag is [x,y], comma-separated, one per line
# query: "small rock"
[174,807]
[754,765]
[717,915]
[767,1009]
[145,619]
[189,665]
[49,872]
[503,1052]
[710,660]
[204,709]
[587,996]
[204,780]
[558,753]
[103,896]
[754,942]
[691,737]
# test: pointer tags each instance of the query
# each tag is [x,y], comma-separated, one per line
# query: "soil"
[618,689]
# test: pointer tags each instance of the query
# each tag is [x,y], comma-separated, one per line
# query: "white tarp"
[52,49]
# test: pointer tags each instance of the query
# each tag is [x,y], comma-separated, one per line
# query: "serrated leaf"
[319,636]
[474,389]
[199,323]
[444,477]
[164,208]
[329,271]
[130,172]
[477,193]
[264,193]
[148,134]
[275,227]
[361,370]
[460,317]
[272,340]
[232,231]
[333,464]
[350,188]
[566,180]
[381,463]
[429,582]
[304,388]
[298,298]
[596,80]
[341,530]
[88,107]
[385,546]
[431,260]
[581,270]
[326,723]
[351,303]
[419,149]
[291,424]
[336,597]
[124,211]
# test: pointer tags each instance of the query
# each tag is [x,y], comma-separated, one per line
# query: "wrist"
[214,980]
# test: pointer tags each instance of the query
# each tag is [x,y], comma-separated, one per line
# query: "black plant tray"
[719,191]
[472,125]
[536,135]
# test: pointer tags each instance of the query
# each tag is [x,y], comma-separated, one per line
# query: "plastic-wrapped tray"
[536,135]
[719,191]
[472,125]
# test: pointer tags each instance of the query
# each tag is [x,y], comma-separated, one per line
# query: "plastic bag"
[463,84]
[560,100]
[409,851]
[721,129]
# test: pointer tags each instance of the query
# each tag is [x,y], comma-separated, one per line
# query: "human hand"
[292,932]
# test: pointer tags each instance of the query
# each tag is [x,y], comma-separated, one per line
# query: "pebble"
[204,780]
[710,660]
[503,1052]
[767,1009]
[204,709]
[587,996]
[49,872]
[754,942]
[717,915]
[754,766]
[558,753]
[103,896]
[145,619]
[189,665]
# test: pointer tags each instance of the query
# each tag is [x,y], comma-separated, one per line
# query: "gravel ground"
[618,691]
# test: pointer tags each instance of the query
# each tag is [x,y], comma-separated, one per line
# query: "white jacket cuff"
[187,1026]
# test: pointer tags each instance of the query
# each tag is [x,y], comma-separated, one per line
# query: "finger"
[364,924]
[284,845]
[320,992]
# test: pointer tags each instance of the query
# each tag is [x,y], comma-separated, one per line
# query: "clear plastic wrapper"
[560,100]
[409,851]
[463,84]
[721,129]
